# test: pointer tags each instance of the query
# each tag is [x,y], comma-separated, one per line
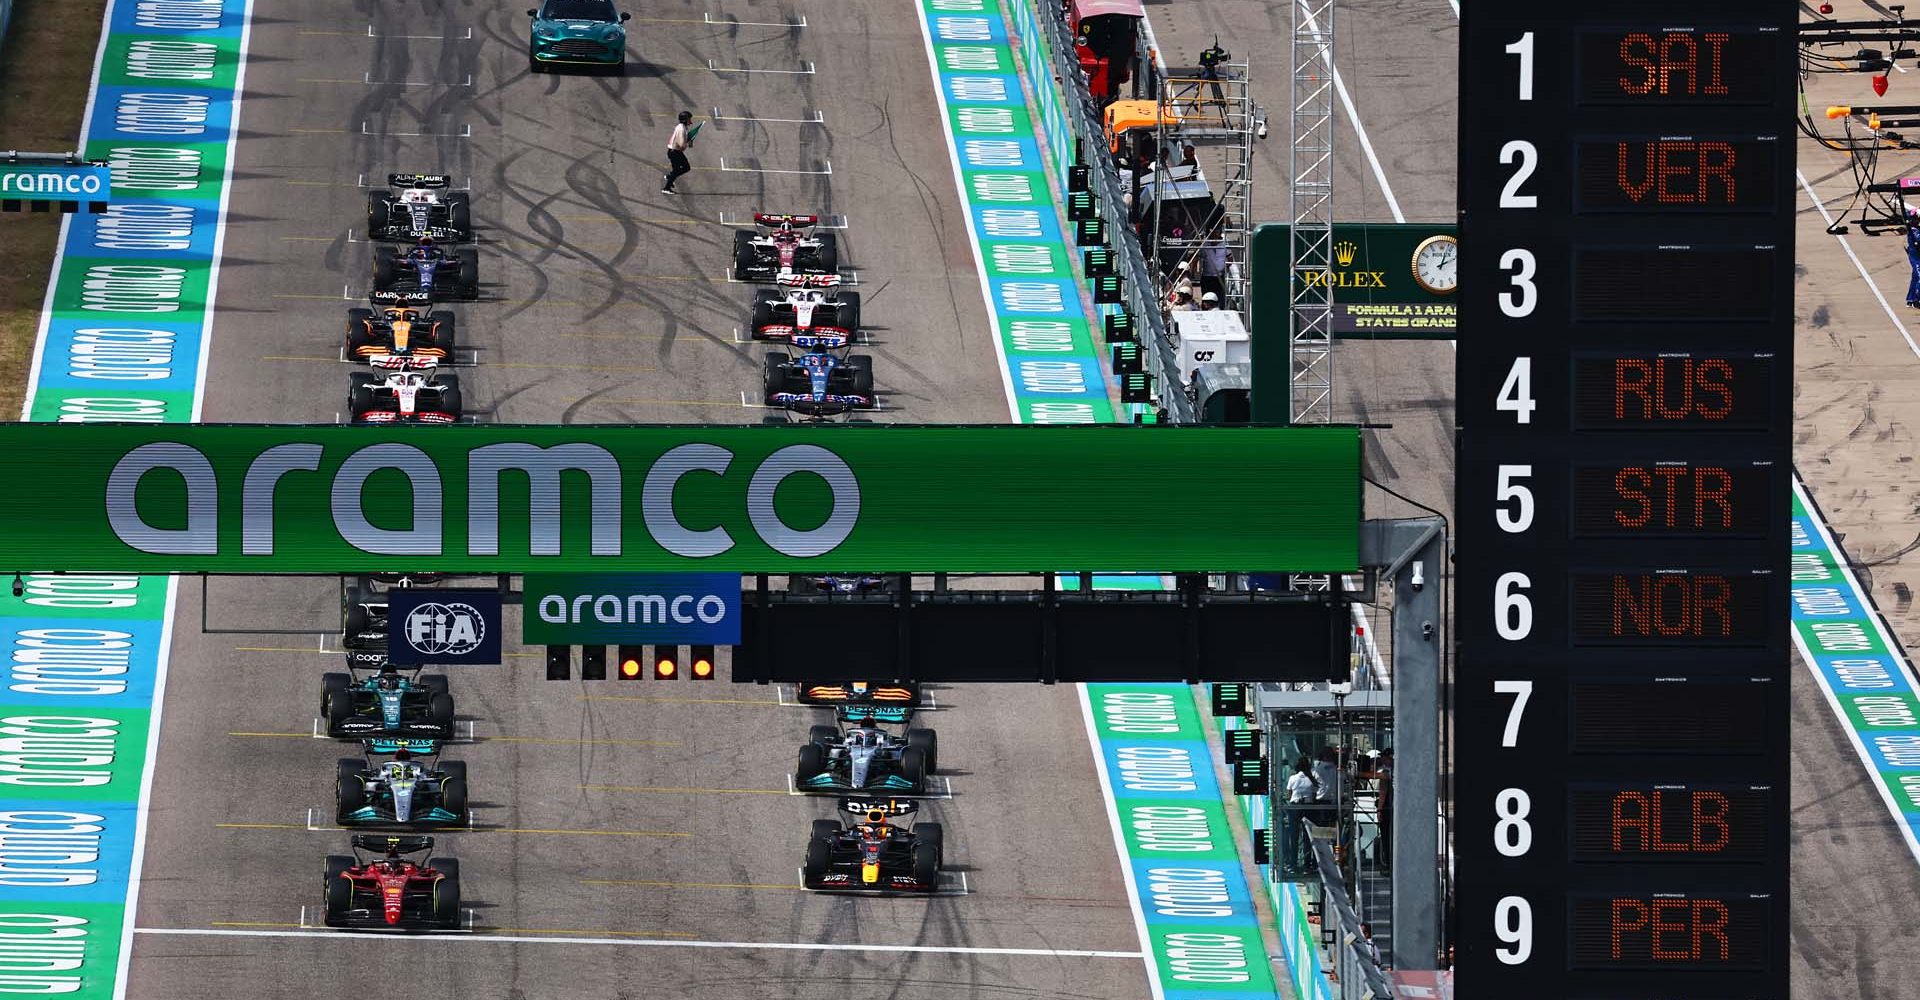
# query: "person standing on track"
[677,144]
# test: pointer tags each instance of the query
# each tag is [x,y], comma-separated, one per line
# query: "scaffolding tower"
[1310,211]
[1215,111]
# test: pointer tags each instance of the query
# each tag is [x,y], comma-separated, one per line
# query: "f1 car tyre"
[339,708]
[929,743]
[435,683]
[454,769]
[440,708]
[336,864]
[333,687]
[469,272]
[773,375]
[828,256]
[354,618]
[357,320]
[360,393]
[819,853]
[825,830]
[383,270]
[378,215]
[762,309]
[813,760]
[348,793]
[935,835]
[447,337]
[860,366]
[846,310]
[339,890]
[460,215]
[453,795]
[822,734]
[913,764]
[742,253]
[446,893]
[450,395]
[926,863]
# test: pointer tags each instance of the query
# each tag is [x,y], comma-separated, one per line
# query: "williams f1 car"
[783,244]
[363,612]
[864,759]
[805,303]
[419,205]
[874,855]
[390,890]
[381,702]
[403,397]
[400,336]
[402,791]
[817,384]
[427,268]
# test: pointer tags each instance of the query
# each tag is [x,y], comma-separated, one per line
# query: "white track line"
[757,24]
[1360,130]
[1862,268]
[827,164]
[482,937]
[817,119]
[717,68]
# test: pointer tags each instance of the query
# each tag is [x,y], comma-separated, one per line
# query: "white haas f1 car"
[404,397]
[419,205]
[803,304]
[783,244]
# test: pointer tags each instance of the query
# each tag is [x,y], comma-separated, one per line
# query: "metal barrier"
[1071,121]
[1354,967]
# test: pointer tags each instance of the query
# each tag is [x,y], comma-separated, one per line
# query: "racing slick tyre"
[384,271]
[846,311]
[454,769]
[450,396]
[776,420]
[357,320]
[348,793]
[333,691]
[453,796]
[822,735]
[379,215]
[813,760]
[934,835]
[339,891]
[827,258]
[860,366]
[824,830]
[440,709]
[446,893]
[819,850]
[913,766]
[762,310]
[359,393]
[445,333]
[469,287]
[460,215]
[926,864]
[435,684]
[773,375]
[742,254]
[929,743]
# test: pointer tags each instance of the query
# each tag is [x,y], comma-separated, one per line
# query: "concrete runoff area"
[602,809]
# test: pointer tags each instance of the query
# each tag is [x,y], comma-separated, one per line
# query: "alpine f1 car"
[419,205]
[805,303]
[865,759]
[400,336]
[783,244]
[874,855]
[380,702]
[818,384]
[402,791]
[391,891]
[403,397]
[425,267]
[905,694]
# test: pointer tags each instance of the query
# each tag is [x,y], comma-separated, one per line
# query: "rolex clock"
[1436,264]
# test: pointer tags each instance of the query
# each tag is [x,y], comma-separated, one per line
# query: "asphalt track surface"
[636,839]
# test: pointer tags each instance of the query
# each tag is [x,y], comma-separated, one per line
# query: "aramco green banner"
[190,498]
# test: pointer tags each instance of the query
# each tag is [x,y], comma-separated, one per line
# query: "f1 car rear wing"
[772,219]
[403,362]
[381,843]
[393,745]
[366,659]
[419,180]
[416,298]
[821,337]
[791,280]
[892,807]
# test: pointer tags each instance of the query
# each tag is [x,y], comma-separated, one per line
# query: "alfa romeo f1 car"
[381,702]
[874,855]
[426,267]
[400,335]
[783,244]
[818,384]
[403,397]
[864,759]
[402,791]
[390,890]
[803,304]
[419,205]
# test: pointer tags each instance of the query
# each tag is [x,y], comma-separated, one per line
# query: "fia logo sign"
[451,629]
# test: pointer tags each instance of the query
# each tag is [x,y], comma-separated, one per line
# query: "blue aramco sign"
[53,182]
[562,609]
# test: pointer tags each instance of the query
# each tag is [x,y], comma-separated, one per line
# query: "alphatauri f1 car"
[865,759]
[874,855]
[381,702]
[805,303]
[403,397]
[391,890]
[419,205]
[783,244]
[414,789]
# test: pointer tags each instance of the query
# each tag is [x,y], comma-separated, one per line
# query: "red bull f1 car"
[873,854]
[382,886]
[783,244]
[805,304]
[417,205]
[403,397]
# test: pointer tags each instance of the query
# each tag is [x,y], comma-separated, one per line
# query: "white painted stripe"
[1120,842]
[1359,129]
[482,937]
[1862,268]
